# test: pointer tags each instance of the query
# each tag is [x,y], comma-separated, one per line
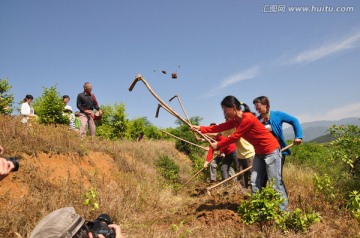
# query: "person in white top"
[27,111]
[68,111]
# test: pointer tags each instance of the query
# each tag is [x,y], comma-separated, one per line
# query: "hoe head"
[137,78]
[157,111]
[173,98]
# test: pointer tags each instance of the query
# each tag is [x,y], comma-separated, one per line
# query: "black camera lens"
[100,226]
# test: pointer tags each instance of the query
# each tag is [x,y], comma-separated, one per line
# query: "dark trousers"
[226,169]
[226,164]
[244,164]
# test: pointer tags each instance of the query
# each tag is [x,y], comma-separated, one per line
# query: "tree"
[49,107]
[152,132]
[6,98]
[136,126]
[347,150]
[115,125]
[114,122]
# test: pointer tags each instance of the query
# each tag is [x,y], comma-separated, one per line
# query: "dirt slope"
[57,169]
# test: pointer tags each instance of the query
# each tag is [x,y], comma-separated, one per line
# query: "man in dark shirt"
[86,103]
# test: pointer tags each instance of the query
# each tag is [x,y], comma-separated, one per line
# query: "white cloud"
[348,110]
[232,79]
[327,49]
[243,75]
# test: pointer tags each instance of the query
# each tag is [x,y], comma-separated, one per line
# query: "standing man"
[86,103]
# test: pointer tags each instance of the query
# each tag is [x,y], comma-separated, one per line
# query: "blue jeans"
[269,164]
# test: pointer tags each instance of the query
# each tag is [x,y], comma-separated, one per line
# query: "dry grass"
[57,169]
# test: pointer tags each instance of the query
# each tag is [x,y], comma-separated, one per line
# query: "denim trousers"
[269,164]
[282,170]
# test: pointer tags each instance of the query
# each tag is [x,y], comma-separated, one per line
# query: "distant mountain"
[324,139]
[312,130]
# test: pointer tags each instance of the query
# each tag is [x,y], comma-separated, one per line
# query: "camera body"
[15,161]
[100,226]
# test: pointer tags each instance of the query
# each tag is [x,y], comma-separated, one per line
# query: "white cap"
[68,107]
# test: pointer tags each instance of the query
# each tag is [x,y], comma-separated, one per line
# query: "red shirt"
[226,150]
[251,129]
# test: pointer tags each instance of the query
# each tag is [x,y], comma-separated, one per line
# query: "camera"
[100,226]
[15,161]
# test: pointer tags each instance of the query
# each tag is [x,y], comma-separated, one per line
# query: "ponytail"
[246,107]
[231,101]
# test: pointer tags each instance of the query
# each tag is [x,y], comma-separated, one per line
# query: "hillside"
[312,130]
[323,139]
[57,169]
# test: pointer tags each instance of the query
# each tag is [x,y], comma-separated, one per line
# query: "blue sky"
[307,63]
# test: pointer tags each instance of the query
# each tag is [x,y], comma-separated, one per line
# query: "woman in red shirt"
[267,149]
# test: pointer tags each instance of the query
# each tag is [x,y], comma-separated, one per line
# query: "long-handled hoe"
[157,115]
[164,105]
[176,137]
[197,173]
[182,107]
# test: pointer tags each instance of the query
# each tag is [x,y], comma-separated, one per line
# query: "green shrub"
[347,150]
[263,208]
[297,221]
[6,98]
[91,199]
[347,143]
[49,107]
[198,164]
[184,132]
[152,132]
[313,155]
[142,124]
[114,123]
[354,204]
[168,169]
[323,186]
[136,126]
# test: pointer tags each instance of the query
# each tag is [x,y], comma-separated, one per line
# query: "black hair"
[263,100]
[212,124]
[28,97]
[231,101]
[66,96]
